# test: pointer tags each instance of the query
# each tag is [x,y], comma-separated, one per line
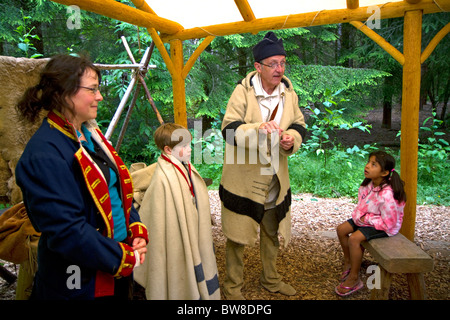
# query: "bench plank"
[397,254]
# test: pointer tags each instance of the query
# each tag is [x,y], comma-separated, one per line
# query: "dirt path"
[382,136]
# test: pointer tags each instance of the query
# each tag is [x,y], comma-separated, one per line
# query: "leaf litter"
[312,261]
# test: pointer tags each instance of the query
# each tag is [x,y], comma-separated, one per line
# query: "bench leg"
[416,284]
[383,292]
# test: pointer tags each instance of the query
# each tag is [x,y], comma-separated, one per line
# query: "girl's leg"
[356,254]
[343,231]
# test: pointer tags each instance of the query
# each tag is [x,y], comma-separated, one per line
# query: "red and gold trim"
[126,183]
[137,230]
[98,188]
[58,121]
[128,261]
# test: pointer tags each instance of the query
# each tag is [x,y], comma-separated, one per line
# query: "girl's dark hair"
[387,163]
[59,80]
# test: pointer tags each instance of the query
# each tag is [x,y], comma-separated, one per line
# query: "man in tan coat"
[262,126]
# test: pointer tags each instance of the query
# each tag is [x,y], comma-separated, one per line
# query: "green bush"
[340,171]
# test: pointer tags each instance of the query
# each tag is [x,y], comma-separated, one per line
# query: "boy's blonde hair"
[164,135]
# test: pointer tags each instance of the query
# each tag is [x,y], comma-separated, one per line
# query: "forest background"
[338,73]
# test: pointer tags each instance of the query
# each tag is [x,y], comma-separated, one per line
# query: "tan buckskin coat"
[244,186]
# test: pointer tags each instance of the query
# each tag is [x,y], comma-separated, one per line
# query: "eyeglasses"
[93,90]
[275,65]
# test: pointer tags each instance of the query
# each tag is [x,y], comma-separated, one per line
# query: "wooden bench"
[399,255]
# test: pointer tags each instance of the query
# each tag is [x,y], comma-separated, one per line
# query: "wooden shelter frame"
[411,59]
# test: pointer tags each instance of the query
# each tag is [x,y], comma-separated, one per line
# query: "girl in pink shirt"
[379,213]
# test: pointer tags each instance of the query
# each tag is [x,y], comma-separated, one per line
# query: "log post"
[352,4]
[178,84]
[412,39]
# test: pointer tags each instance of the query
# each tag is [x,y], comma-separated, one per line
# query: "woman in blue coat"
[76,189]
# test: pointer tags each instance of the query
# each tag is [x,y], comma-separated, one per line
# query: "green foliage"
[341,177]
[208,151]
[434,150]
[25,36]
[323,125]
[312,81]
[433,164]
[325,168]
[5,206]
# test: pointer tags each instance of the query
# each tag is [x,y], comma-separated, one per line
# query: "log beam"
[434,42]
[397,55]
[195,55]
[245,10]
[352,4]
[142,5]
[122,12]
[389,10]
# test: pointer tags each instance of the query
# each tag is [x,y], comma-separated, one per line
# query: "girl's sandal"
[344,275]
[351,290]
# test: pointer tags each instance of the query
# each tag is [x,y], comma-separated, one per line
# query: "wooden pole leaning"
[119,110]
[135,77]
[141,73]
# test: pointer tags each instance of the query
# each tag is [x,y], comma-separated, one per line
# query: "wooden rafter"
[144,16]
[389,10]
[352,4]
[245,10]
[397,55]
[434,42]
[189,64]
[122,12]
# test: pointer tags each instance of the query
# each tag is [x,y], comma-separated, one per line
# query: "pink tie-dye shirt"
[379,209]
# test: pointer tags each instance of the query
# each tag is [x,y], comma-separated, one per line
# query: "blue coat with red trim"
[62,207]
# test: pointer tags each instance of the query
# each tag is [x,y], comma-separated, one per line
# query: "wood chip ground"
[312,261]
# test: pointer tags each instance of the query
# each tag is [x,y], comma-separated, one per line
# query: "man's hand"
[269,127]
[287,141]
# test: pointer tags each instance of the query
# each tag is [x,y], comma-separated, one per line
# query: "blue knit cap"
[268,47]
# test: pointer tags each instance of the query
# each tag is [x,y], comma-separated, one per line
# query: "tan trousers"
[269,245]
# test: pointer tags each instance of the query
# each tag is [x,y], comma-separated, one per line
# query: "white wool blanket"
[180,263]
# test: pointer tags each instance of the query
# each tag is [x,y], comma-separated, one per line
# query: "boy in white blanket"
[180,262]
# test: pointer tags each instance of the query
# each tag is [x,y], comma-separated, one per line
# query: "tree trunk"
[387,103]
[445,99]
[387,114]
[424,85]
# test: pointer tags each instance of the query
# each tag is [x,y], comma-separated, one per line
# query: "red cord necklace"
[191,187]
